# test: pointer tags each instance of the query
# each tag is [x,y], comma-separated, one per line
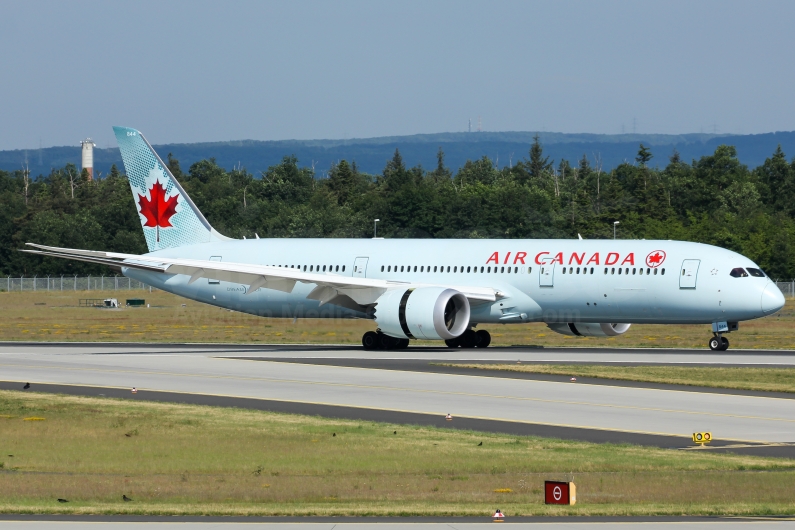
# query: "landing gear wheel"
[385,342]
[453,343]
[468,339]
[370,340]
[482,338]
[724,344]
[402,344]
[715,343]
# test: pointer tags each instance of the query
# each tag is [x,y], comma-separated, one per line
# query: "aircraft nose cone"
[772,299]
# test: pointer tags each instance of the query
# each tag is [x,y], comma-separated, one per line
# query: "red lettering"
[508,255]
[629,259]
[495,258]
[594,259]
[538,261]
[575,257]
[558,258]
[519,258]
[612,258]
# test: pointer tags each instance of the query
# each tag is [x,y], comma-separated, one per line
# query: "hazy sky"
[204,71]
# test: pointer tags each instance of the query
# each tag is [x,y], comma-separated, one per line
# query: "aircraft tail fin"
[168,216]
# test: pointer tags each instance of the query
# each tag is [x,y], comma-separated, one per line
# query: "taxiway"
[405,387]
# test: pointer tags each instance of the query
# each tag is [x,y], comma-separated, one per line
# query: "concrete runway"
[623,412]
[627,356]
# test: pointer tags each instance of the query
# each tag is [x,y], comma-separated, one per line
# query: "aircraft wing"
[331,288]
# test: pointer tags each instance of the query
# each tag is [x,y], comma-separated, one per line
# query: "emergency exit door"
[546,275]
[210,280]
[360,267]
[689,273]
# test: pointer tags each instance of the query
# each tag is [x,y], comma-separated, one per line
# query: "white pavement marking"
[578,355]
[642,410]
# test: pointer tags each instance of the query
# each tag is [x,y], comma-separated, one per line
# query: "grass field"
[55,316]
[185,459]
[762,379]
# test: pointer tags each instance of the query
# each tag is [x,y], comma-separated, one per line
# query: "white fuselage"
[628,281]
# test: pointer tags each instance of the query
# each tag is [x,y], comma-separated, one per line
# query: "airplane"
[431,289]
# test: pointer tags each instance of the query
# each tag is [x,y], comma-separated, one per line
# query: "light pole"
[375,229]
[614,228]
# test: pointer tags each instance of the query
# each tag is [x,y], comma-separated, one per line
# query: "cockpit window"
[738,272]
[756,272]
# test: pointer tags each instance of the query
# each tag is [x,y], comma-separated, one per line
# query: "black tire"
[402,344]
[385,342]
[370,340]
[724,344]
[468,339]
[482,338]
[715,343]
[452,343]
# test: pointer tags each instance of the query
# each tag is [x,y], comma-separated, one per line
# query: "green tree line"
[716,200]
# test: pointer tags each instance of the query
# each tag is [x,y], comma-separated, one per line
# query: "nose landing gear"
[718,343]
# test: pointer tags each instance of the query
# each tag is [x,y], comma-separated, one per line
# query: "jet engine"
[590,330]
[435,313]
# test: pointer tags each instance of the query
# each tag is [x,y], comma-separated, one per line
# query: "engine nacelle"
[435,313]
[590,330]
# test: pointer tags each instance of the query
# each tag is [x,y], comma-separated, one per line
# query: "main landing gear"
[718,343]
[375,340]
[470,339]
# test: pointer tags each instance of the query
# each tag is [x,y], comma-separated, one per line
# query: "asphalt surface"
[450,367]
[304,380]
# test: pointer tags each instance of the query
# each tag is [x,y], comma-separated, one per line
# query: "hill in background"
[371,154]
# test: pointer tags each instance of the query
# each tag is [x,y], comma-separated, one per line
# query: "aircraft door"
[546,274]
[689,273]
[360,268]
[209,280]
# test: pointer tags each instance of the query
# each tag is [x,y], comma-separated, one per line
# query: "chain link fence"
[121,283]
[72,283]
[787,288]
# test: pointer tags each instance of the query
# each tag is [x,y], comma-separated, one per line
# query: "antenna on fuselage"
[579,236]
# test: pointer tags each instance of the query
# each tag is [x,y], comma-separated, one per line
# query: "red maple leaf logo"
[655,258]
[158,210]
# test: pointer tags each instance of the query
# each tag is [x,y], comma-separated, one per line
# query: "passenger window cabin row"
[453,269]
[639,271]
[514,270]
[613,270]
[314,268]
[737,272]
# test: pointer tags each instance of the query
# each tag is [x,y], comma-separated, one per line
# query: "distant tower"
[88,157]
[470,124]
[480,129]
